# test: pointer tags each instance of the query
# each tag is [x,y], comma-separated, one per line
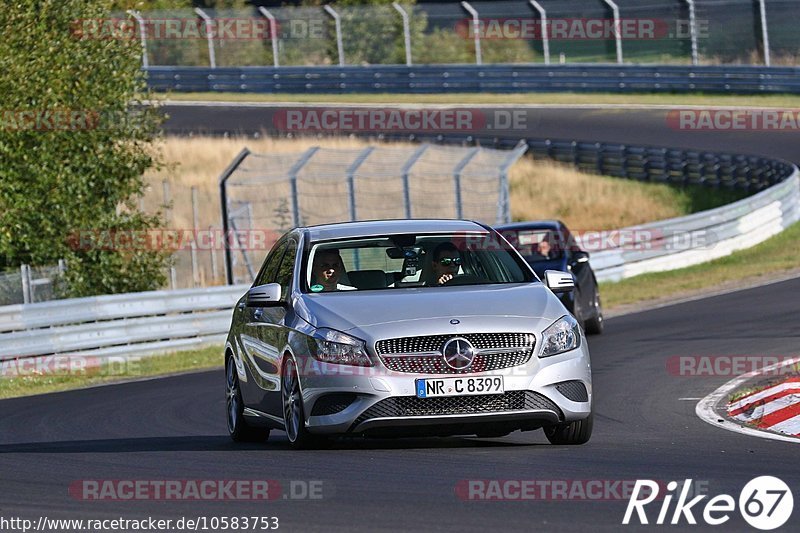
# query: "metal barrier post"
[25,273]
[693,31]
[764,31]
[293,182]
[545,37]
[457,179]
[476,31]
[406,31]
[337,20]
[223,198]
[193,247]
[617,28]
[351,182]
[142,35]
[212,59]
[503,212]
[273,33]
[405,174]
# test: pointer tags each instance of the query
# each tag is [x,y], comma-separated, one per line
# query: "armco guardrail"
[477,78]
[121,324]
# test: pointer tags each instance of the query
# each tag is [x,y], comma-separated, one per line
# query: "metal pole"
[545,37]
[351,181]
[764,31]
[25,274]
[338,23]
[167,200]
[213,249]
[293,182]
[142,35]
[273,33]
[406,31]
[617,28]
[476,31]
[457,179]
[212,59]
[693,31]
[193,248]
[503,212]
[406,171]
[223,198]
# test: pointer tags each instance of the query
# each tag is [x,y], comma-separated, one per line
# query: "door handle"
[258,313]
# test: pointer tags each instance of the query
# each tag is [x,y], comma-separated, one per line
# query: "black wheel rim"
[292,412]
[232,395]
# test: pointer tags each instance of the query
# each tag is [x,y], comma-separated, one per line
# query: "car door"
[256,355]
[272,333]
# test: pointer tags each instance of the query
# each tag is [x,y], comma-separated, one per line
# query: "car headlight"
[563,335]
[339,348]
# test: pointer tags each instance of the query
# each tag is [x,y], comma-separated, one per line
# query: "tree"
[75,140]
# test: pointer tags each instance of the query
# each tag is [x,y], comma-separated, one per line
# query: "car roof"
[532,224]
[368,228]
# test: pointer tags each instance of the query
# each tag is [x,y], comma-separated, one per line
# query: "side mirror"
[580,257]
[264,295]
[558,281]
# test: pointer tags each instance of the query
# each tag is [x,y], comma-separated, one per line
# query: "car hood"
[418,308]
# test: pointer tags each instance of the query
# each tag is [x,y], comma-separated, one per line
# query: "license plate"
[437,387]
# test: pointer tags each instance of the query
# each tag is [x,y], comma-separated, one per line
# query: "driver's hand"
[445,278]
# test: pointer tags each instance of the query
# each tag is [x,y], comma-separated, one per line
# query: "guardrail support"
[273,33]
[457,179]
[617,28]
[545,36]
[142,35]
[693,31]
[476,31]
[223,198]
[764,31]
[337,20]
[406,31]
[212,59]
[405,173]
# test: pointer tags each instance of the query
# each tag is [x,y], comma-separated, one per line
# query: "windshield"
[536,244]
[401,261]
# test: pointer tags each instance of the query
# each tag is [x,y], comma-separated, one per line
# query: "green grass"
[773,100]
[780,253]
[203,358]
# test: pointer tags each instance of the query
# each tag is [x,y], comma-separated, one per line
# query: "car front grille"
[402,406]
[422,355]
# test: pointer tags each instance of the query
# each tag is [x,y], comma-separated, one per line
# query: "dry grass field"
[539,189]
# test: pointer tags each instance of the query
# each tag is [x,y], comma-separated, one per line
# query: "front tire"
[594,325]
[238,428]
[578,432]
[294,420]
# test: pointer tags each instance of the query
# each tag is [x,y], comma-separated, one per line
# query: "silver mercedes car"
[404,327]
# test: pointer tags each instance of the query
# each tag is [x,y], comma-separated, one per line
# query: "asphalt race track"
[174,428]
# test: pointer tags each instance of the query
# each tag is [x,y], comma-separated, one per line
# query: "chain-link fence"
[28,284]
[265,194]
[507,31]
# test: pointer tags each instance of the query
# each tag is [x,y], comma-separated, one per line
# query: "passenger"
[326,271]
[446,262]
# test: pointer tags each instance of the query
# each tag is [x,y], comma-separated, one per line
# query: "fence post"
[406,31]
[337,20]
[167,200]
[25,273]
[764,31]
[351,181]
[545,37]
[617,28]
[503,212]
[405,172]
[142,36]
[193,247]
[273,33]
[293,182]
[693,31]
[457,179]
[223,198]
[476,31]
[212,59]
[213,250]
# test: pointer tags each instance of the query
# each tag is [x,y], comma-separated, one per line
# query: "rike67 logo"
[765,503]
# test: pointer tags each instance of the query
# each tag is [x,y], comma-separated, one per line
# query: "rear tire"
[594,325]
[238,428]
[578,432]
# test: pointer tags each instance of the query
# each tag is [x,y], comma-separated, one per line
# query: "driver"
[446,262]
[326,270]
